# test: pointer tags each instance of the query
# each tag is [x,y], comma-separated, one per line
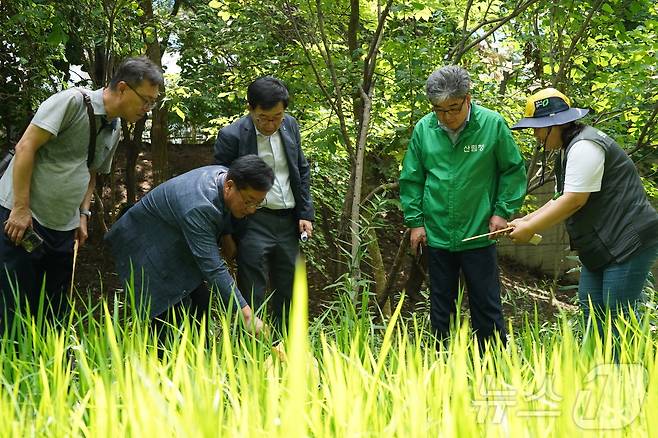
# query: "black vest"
[616,221]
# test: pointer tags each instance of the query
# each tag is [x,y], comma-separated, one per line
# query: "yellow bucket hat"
[549,107]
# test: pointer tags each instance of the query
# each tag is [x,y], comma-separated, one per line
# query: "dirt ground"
[522,290]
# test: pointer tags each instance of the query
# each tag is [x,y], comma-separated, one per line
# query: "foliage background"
[339,58]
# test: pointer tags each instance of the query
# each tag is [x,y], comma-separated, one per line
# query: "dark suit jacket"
[239,138]
[171,234]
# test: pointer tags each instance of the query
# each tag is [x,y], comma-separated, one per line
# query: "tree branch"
[574,42]
[371,58]
[334,77]
[645,131]
[465,33]
[535,186]
[164,45]
[395,269]
[459,51]
[318,79]
[380,188]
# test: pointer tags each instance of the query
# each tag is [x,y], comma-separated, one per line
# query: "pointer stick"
[75,256]
[535,240]
[488,234]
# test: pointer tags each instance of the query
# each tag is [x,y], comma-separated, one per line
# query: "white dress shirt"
[270,150]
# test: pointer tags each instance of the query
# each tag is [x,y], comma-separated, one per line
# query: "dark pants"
[52,262]
[268,250]
[480,269]
[197,305]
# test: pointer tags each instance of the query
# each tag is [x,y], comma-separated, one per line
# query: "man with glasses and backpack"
[45,193]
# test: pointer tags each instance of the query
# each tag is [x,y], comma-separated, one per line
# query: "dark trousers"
[197,305]
[480,268]
[267,251]
[51,263]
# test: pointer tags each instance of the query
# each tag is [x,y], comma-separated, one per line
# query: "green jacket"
[453,190]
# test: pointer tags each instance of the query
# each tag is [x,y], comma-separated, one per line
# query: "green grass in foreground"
[343,377]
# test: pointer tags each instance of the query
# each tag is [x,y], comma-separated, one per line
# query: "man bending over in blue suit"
[169,238]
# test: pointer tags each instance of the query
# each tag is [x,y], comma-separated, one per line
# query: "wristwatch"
[86,213]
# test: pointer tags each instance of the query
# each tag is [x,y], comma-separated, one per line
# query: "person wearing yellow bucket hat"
[600,195]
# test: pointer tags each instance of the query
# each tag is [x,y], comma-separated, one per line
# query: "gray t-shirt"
[60,176]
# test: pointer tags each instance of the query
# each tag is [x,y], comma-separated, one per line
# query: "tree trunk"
[417,276]
[133,147]
[352,46]
[379,272]
[384,300]
[159,132]
[159,143]
[358,183]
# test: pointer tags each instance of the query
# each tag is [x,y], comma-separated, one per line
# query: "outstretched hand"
[252,323]
[522,232]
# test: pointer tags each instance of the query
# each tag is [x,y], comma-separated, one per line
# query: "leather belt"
[280,212]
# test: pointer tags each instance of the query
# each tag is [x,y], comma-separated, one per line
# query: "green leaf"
[57,36]
[424,14]
[179,112]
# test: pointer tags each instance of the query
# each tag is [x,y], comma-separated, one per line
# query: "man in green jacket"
[462,175]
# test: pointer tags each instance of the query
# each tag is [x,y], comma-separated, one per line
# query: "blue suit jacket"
[239,138]
[171,237]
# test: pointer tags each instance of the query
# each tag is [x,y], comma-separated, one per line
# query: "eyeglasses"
[252,204]
[148,103]
[451,111]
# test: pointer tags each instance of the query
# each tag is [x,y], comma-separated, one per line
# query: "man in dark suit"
[167,242]
[268,241]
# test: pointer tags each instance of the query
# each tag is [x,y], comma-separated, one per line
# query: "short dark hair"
[250,171]
[135,70]
[266,92]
